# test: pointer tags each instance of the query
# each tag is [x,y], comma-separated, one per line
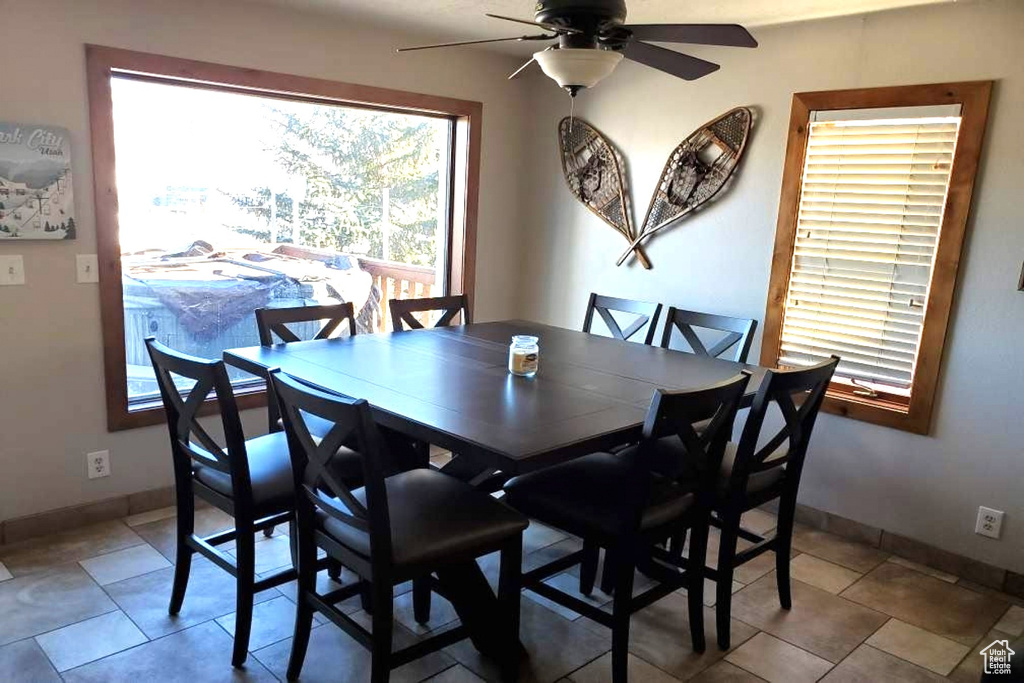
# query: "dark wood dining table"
[451,387]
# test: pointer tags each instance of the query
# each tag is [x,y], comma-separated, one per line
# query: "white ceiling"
[464,19]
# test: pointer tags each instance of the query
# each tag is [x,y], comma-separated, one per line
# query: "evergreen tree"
[348,157]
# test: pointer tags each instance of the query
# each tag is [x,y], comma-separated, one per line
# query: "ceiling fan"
[593,38]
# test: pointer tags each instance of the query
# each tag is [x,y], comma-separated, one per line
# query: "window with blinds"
[871,205]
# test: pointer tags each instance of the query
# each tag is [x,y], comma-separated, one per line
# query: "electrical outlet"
[88,268]
[12,270]
[990,522]
[98,464]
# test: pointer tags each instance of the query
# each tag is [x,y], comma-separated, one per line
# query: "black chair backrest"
[703,420]
[315,486]
[450,306]
[798,394]
[275,321]
[647,316]
[713,408]
[740,333]
[189,439]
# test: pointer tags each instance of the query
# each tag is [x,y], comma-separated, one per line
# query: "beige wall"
[51,378]
[928,488]
[51,396]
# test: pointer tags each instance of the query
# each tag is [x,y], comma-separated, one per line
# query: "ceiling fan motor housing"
[589,16]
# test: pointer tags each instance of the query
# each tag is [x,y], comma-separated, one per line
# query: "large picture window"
[873,215]
[222,190]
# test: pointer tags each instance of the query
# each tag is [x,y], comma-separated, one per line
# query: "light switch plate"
[88,268]
[12,270]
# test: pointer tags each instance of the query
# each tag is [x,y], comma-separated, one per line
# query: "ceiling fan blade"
[549,27]
[475,42]
[669,61]
[731,35]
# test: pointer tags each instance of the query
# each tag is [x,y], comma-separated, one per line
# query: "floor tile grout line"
[923,628]
[739,666]
[141,542]
[447,668]
[588,663]
[98,659]
[149,641]
[74,623]
[782,638]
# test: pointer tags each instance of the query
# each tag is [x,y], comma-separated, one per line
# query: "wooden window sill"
[147,417]
[876,411]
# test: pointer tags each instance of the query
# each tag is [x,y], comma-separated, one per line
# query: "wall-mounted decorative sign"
[36,198]
[593,171]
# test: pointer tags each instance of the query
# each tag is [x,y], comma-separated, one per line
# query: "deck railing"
[393,280]
[397,281]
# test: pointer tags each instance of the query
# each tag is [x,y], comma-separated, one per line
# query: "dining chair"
[484,478]
[647,316]
[449,306]
[740,333]
[752,475]
[273,323]
[619,503]
[397,526]
[251,480]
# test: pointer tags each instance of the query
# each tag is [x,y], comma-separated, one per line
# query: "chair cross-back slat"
[713,408]
[779,387]
[275,321]
[319,453]
[193,440]
[740,333]
[450,306]
[647,316]
[352,423]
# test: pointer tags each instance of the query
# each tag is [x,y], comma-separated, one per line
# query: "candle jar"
[523,355]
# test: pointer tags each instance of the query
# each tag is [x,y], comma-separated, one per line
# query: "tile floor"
[91,605]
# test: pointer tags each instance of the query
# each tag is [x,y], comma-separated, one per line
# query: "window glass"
[871,208]
[230,202]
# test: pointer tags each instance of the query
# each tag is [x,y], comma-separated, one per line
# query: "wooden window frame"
[104,62]
[973,97]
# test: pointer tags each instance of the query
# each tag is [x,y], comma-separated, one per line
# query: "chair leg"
[383,623]
[783,544]
[676,544]
[334,569]
[245,558]
[184,552]
[624,564]
[509,593]
[366,597]
[723,586]
[695,584]
[609,572]
[306,568]
[421,593]
[588,566]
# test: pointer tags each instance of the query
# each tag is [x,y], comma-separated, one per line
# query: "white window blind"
[871,205]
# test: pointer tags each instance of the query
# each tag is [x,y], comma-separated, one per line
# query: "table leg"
[466,587]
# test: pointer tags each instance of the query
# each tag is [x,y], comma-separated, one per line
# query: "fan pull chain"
[572,111]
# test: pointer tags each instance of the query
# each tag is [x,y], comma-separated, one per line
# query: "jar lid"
[524,339]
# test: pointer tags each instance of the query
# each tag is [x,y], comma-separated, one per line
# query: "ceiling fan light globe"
[578,67]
